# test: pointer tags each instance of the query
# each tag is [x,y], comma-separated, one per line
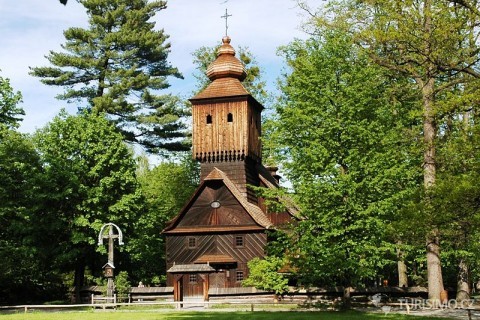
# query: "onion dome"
[226,65]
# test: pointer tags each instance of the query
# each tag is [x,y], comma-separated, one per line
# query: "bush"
[264,275]
[122,284]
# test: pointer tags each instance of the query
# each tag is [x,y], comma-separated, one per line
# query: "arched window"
[230,117]
[209,119]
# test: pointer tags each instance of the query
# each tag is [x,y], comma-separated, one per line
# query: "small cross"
[226,21]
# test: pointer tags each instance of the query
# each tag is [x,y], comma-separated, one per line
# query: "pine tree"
[118,64]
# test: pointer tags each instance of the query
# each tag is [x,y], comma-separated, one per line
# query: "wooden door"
[193,286]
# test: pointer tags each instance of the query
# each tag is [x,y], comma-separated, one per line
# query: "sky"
[29,29]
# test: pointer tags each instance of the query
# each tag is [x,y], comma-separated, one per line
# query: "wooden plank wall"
[221,140]
[179,253]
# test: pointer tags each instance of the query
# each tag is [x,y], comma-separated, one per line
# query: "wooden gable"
[201,213]
[234,212]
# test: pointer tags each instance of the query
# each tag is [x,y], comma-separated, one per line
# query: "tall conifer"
[118,65]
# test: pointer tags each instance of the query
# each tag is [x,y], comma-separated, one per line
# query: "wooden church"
[223,226]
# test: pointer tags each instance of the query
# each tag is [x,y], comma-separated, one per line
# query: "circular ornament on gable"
[215,204]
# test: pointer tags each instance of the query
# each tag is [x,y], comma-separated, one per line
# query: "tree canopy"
[343,143]
[90,180]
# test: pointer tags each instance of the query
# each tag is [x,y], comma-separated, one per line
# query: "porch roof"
[215,258]
[191,268]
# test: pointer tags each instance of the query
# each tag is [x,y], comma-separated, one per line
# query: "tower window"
[192,278]
[209,119]
[230,117]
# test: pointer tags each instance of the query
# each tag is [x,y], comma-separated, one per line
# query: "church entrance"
[193,287]
[191,281]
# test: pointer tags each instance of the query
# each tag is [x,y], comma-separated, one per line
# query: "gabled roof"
[255,212]
[108,264]
[251,209]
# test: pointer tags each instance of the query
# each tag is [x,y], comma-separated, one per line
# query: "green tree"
[118,65]
[434,44]
[24,270]
[166,188]
[89,175]
[344,145]
[10,112]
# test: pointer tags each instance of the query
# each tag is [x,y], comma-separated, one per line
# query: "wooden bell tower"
[227,123]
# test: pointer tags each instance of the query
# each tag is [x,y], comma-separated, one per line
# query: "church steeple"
[227,121]
[226,65]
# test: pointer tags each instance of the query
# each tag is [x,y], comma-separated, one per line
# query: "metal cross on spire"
[226,21]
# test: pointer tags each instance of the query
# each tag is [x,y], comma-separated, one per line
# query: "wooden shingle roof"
[224,87]
[226,74]
[190,268]
[215,258]
[226,65]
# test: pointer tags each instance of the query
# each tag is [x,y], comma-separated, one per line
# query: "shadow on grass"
[300,315]
[209,315]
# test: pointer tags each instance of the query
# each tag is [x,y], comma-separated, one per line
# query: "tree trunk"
[427,85]
[463,284]
[347,298]
[402,269]
[79,279]
[434,268]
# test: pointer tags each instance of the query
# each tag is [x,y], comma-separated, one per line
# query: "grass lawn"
[162,315]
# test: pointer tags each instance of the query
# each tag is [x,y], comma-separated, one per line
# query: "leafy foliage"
[264,274]
[344,147]
[89,176]
[166,188]
[25,264]
[122,285]
[10,113]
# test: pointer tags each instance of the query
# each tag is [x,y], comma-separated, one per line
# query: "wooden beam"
[206,285]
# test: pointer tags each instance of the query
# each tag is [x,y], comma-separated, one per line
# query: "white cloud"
[31,28]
